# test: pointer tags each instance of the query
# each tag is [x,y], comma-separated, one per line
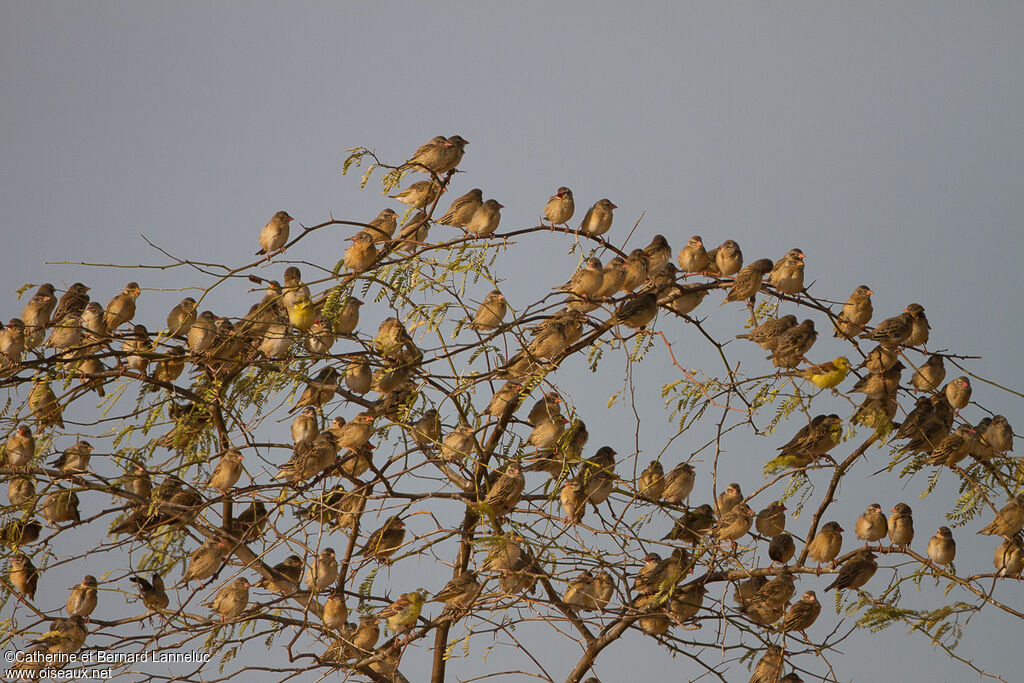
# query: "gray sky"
[885,140]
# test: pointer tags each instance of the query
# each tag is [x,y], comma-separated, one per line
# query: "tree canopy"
[381,465]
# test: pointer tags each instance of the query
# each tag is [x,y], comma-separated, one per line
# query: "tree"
[433,437]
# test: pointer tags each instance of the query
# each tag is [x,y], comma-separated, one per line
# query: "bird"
[856,313]
[73,302]
[505,492]
[383,542]
[121,308]
[802,614]
[901,525]
[491,312]
[958,392]
[637,312]
[651,482]
[75,458]
[919,327]
[20,447]
[304,427]
[382,227]
[856,571]
[12,343]
[402,614]
[613,274]
[227,472]
[231,600]
[659,254]
[574,502]
[678,483]
[787,274]
[942,547]
[560,207]
[301,313]
[44,405]
[1008,521]
[681,299]
[319,390]
[462,209]
[347,318]
[503,553]
[953,447]
[274,234]
[637,268]
[769,333]
[579,594]
[771,521]
[891,332]
[152,592]
[419,194]
[872,524]
[586,282]
[323,571]
[136,346]
[748,281]
[182,317]
[998,435]
[202,334]
[66,333]
[693,258]
[335,611]
[929,376]
[728,499]
[880,359]
[362,254]
[458,444]
[287,575]
[547,433]
[734,524]
[687,602]
[205,561]
[358,376]
[61,506]
[812,442]
[826,544]
[828,375]
[769,667]
[793,344]
[460,591]
[485,219]
[726,259]
[23,575]
[781,548]
[36,314]
[693,525]
[1008,559]
[82,600]
[777,591]
[598,219]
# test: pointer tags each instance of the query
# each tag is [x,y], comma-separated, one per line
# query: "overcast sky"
[883,139]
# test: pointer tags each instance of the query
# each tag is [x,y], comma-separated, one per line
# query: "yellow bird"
[828,375]
[302,314]
[403,612]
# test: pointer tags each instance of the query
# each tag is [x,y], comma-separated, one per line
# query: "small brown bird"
[460,592]
[768,334]
[679,483]
[929,376]
[802,614]
[637,312]
[612,276]
[323,571]
[319,390]
[36,314]
[20,447]
[21,490]
[997,435]
[491,312]
[274,234]
[776,592]
[19,532]
[636,267]
[289,574]
[728,499]
[693,525]
[788,272]
[135,345]
[693,258]
[651,482]
[382,228]
[958,392]
[681,299]
[856,571]
[462,209]
[383,542]
[771,521]
[872,525]
[734,524]
[82,600]
[432,155]
[826,544]
[856,313]
[12,343]
[205,561]
[73,302]
[121,308]
[61,506]
[880,385]
[919,327]
[23,575]
[335,612]
[560,207]
[75,458]
[227,472]
[202,334]
[687,602]
[504,553]
[725,260]
[586,282]
[348,316]
[152,592]
[1009,557]
[231,600]
[485,219]
[304,427]
[506,491]
[794,344]
[1008,521]
[781,548]
[659,254]
[574,503]
[419,194]
[598,219]
[66,333]
[891,332]
[458,444]
[748,281]
[769,667]
[362,254]
[953,448]
[503,398]
[901,525]
[579,594]
[182,317]
[942,547]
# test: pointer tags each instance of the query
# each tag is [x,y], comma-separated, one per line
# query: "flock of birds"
[73,336]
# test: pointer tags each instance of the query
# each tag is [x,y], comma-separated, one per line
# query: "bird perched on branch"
[383,542]
[560,207]
[274,234]
[856,571]
[485,220]
[598,219]
[811,442]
